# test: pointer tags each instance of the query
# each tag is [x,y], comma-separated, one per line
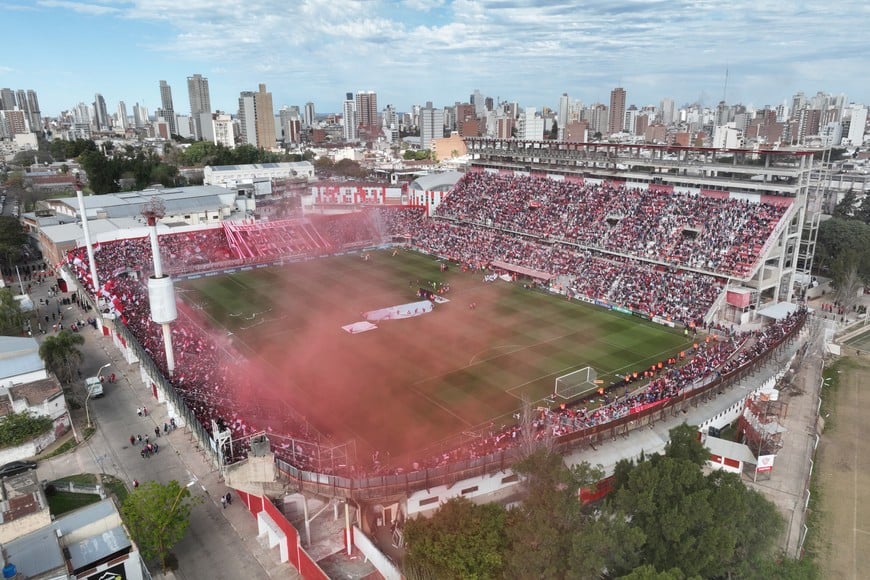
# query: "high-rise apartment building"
[531,126]
[348,112]
[431,125]
[140,115]
[200,102]
[308,115]
[265,118]
[562,119]
[101,114]
[122,116]
[33,111]
[617,110]
[668,111]
[247,118]
[368,127]
[222,130]
[166,106]
[7,99]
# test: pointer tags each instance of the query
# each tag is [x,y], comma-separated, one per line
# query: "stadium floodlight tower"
[95,282]
[161,292]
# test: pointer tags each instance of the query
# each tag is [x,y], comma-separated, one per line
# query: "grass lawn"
[62,502]
[415,381]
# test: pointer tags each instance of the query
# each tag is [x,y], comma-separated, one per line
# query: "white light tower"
[161,292]
[95,282]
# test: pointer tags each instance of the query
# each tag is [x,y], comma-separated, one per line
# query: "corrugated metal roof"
[436,181]
[39,552]
[18,356]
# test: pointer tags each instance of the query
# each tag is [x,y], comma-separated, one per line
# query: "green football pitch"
[413,382]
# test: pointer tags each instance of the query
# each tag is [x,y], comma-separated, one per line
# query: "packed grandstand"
[663,253]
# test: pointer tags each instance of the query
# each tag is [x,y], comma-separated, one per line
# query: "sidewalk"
[220,543]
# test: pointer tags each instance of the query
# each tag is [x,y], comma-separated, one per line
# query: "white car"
[94,386]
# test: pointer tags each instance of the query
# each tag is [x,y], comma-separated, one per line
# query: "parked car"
[16,467]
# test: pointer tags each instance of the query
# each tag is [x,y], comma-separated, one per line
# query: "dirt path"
[843,462]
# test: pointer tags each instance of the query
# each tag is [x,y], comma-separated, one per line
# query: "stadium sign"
[765,463]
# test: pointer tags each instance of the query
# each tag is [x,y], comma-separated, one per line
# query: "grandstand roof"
[436,181]
[73,232]
[175,200]
[778,311]
[729,449]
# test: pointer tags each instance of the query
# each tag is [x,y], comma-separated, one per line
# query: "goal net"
[576,384]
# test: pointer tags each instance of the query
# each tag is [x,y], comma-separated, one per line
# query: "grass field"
[415,381]
[842,542]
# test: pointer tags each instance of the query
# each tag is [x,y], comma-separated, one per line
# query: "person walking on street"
[224,501]
[156,432]
[139,411]
[132,440]
[144,410]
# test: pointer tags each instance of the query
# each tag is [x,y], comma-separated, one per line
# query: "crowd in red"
[720,235]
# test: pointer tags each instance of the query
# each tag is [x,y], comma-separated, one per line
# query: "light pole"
[88,409]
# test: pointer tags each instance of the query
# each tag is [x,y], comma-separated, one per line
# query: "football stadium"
[552,291]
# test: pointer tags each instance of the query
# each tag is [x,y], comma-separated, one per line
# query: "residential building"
[7,99]
[349,118]
[617,110]
[562,119]
[167,107]
[247,118]
[308,115]
[122,122]
[101,114]
[220,130]
[200,102]
[367,123]
[531,125]
[431,125]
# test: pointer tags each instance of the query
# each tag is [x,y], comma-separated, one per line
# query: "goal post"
[576,384]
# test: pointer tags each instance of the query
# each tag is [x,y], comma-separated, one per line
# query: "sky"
[413,51]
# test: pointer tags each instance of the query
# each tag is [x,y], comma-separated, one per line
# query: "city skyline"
[413,51]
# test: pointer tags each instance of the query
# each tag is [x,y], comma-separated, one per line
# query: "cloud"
[80,7]
[523,49]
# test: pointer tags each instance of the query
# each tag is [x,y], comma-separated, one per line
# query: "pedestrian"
[147,440]
[135,483]
[139,437]
[229,498]
[165,427]
[144,410]
[139,411]
[132,440]
[156,431]
[172,423]
[224,501]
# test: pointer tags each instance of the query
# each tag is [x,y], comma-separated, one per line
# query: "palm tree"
[61,355]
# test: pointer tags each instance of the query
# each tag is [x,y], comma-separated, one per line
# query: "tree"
[647,572]
[838,237]
[12,241]
[708,526]
[848,283]
[157,516]
[683,443]
[462,540]
[11,316]
[846,207]
[17,428]
[61,355]
[541,531]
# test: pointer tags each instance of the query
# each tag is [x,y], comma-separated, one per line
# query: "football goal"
[576,384]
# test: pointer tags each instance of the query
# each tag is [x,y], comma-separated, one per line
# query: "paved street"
[220,543]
